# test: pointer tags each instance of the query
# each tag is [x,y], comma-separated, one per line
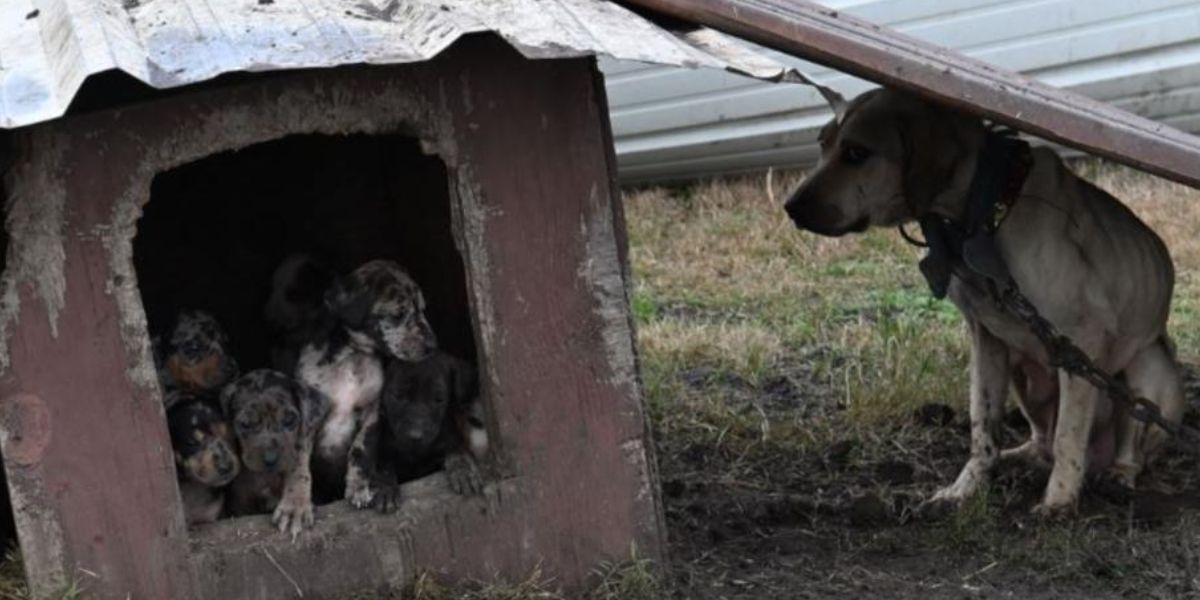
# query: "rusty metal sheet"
[49,47]
[825,36]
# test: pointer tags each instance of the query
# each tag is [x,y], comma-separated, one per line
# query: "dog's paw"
[1123,475]
[1054,512]
[387,498]
[360,493]
[463,475]
[293,515]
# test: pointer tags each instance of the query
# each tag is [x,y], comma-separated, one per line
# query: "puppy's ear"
[227,394]
[313,405]
[465,381]
[349,302]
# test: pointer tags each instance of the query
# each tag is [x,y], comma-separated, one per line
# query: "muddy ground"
[840,521]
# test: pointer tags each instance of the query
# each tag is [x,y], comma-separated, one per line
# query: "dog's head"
[273,416]
[196,354]
[203,443]
[420,397]
[382,308]
[298,288]
[883,163]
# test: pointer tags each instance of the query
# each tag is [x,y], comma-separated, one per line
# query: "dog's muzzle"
[821,219]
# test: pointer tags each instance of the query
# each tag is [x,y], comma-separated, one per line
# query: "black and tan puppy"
[295,311]
[275,419]
[376,312]
[430,419]
[205,454]
[195,356]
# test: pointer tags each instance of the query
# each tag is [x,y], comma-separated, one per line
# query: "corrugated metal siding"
[1142,56]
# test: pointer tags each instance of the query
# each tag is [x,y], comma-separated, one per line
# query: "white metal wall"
[1141,55]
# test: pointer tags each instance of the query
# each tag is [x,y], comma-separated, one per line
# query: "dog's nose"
[270,457]
[415,434]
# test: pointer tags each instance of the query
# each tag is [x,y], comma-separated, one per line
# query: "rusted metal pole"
[825,36]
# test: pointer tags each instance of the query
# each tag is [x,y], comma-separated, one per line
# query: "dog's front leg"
[361,468]
[295,509]
[989,388]
[1076,411]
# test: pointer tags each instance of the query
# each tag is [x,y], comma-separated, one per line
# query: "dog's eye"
[247,423]
[290,420]
[855,155]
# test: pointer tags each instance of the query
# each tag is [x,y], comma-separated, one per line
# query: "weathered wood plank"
[825,36]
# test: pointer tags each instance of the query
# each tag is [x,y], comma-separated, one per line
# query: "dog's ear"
[349,302]
[314,407]
[933,145]
[227,394]
[465,381]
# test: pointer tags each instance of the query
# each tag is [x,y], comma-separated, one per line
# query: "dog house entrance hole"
[215,230]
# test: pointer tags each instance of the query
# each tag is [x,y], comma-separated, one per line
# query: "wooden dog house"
[489,173]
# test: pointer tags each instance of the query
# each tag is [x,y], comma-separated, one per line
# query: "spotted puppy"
[195,356]
[431,420]
[296,308]
[376,312]
[205,455]
[275,419]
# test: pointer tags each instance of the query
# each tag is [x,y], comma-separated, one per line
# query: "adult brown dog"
[1099,274]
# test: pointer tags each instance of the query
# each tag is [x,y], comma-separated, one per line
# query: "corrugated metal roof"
[49,47]
[1142,56]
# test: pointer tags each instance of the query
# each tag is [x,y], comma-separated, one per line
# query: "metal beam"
[837,40]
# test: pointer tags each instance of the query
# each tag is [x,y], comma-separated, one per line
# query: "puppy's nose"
[415,434]
[270,457]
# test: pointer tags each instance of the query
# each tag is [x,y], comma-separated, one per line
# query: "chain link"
[1065,355]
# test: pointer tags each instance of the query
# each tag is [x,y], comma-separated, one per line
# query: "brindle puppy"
[431,420]
[205,458]
[296,308]
[276,419]
[378,311]
[196,356]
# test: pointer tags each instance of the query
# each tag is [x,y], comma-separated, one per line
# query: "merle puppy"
[430,420]
[276,420]
[205,456]
[376,312]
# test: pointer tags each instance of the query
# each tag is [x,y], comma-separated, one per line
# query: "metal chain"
[1064,354]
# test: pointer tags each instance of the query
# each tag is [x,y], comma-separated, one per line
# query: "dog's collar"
[1000,173]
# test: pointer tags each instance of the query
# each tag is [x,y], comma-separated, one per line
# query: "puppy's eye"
[247,423]
[855,155]
[290,420]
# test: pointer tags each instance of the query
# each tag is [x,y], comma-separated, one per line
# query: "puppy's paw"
[293,514]
[1123,475]
[360,493]
[463,474]
[387,498]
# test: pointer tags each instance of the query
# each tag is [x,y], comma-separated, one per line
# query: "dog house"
[152,163]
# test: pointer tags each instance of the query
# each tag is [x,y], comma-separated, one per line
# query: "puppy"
[1092,268]
[195,356]
[296,307]
[377,312]
[431,418]
[275,419]
[205,455]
